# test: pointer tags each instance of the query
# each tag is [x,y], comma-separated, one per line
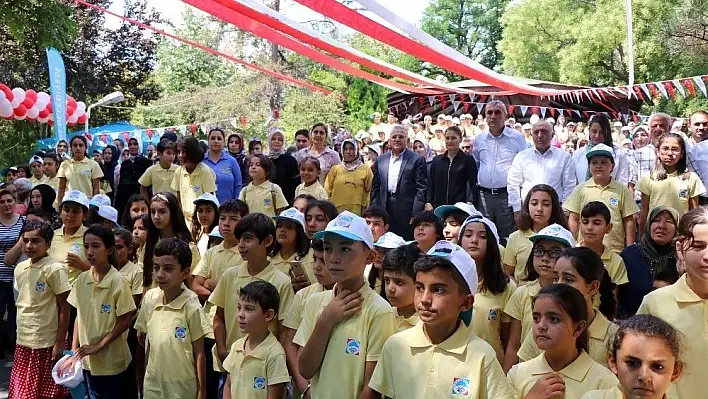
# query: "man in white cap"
[494,152]
[467,126]
[378,127]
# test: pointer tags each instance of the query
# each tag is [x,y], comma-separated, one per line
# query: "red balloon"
[82,119]
[9,118]
[70,101]
[7,91]
[20,110]
[30,119]
[31,94]
[50,108]
[43,113]
[70,111]
[29,102]
[50,123]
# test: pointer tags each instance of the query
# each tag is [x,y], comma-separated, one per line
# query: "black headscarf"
[109,168]
[657,256]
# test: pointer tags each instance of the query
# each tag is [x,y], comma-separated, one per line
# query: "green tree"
[304,108]
[472,27]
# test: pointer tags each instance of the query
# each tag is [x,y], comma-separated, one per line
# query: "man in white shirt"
[494,152]
[540,164]
[644,156]
[698,154]
[378,127]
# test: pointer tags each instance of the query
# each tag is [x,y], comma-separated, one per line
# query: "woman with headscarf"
[110,161]
[651,262]
[236,148]
[420,147]
[42,196]
[348,184]
[287,173]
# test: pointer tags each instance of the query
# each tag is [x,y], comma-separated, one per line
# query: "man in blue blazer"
[400,183]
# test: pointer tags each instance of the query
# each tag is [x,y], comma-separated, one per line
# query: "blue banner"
[57,82]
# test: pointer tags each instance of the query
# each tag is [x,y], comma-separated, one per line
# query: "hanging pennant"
[662,89]
[431,100]
[577,112]
[455,105]
[524,108]
[688,84]
[511,110]
[679,87]
[553,112]
[638,93]
[534,110]
[701,85]
[452,97]
[645,89]
[479,107]
[670,88]
[543,112]
[624,118]
[443,101]
[466,108]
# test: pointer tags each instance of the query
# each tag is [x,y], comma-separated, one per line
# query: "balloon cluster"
[37,107]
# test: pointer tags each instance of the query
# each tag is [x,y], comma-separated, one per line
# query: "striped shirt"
[8,238]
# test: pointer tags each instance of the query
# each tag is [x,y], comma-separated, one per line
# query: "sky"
[411,10]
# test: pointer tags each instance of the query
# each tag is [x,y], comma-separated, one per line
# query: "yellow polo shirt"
[191,186]
[308,263]
[674,191]
[80,174]
[35,181]
[518,250]
[316,190]
[615,266]
[98,307]
[212,265]
[134,276]
[678,305]
[171,330]
[294,317]
[519,306]
[159,178]
[611,393]
[38,285]
[252,373]
[581,376]
[618,199]
[225,296]
[62,245]
[463,365]
[601,332]
[402,323]
[53,182]
[488,316]
[260,198]
[353,342]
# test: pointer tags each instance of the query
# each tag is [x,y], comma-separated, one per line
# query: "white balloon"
[6,109]
[2,95]
[19,97]
[40,104]
[43,120]
[73,118]
[81,106]
[43,97]
[32,113]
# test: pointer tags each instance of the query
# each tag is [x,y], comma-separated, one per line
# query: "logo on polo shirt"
[76,248]
[683,193]
[493,313]
[460,386]
[267,202]
[180,332]
[259,383]
[197,188]
[86,172]
[353,347]
[614,201]
[105,308]
[40,286]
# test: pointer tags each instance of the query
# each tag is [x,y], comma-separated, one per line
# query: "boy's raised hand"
[344,305]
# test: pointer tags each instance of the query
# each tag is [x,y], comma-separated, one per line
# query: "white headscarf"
[350,166]
[275,154]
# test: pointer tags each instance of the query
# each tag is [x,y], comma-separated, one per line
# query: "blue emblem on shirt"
[197,188]
[614,201]
[76,248]
[460,386]
[683,193]
[493,313]
[267,202]
[353,347]
[105,308]
[180,332]
[259,383]
[86,172]
[40,286]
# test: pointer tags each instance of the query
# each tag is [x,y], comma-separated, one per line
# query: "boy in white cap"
[109,216]
[36,164]
[453,216]
[68,243]
[455,361]
[343,331]
[604,188]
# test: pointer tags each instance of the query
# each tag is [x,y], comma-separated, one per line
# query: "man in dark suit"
[400,180]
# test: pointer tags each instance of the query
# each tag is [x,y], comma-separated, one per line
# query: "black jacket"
[449,183]
[287,175]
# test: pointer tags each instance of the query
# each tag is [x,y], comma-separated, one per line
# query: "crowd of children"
[187,296]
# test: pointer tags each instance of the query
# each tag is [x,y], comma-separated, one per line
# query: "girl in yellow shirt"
[139,229]
[645,357]
[292,245]
[564,370]
[348,184]
[80,172]
[541,208]
[479,237]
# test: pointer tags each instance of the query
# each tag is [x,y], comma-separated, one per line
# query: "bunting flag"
[679,87]
[662,89]
[247,64]
[524,108]
[543,111]
[456,104]
[701,85]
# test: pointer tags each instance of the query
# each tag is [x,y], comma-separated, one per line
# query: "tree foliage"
[472,27]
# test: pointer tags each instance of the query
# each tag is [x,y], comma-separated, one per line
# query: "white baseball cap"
[460,258]
[618,124]
[291,214]
[601,150]
[207,197]
[551,121]
[443,210]
[108,212]
[555,232]
[375,148]
[77,197]
[349,226]
[99,200]
[480,219]
[465,116]
[390,241]
[36,158]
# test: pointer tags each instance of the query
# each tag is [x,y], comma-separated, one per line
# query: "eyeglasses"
[553,253]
